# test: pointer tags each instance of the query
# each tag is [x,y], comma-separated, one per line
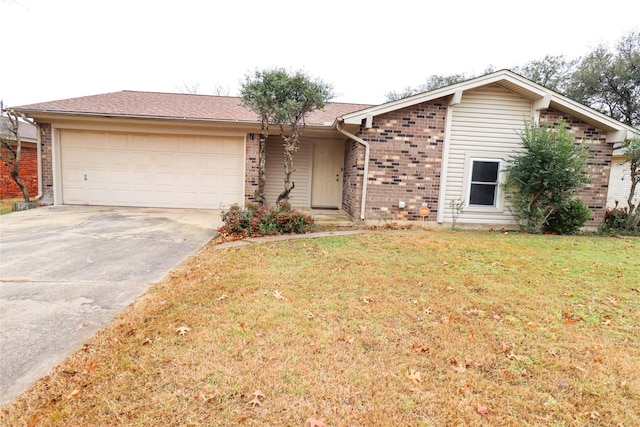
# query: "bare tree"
[11,149]
[189,87]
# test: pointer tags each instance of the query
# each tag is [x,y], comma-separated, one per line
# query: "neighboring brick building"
[28,165]
[377,163]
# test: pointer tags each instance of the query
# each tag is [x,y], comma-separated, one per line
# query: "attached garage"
[151,170]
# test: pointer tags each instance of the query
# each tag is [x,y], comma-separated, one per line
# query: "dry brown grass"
[6,205]
[380,329]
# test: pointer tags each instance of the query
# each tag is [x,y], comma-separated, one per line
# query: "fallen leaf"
[419,348]
[315,422]
[482,410]
[593,414]
[457,367]
[33,421]
[413,376]
[552,353]
[147,341]
[81,326]
[221,297]
[277,295]
[472,336]
[91,367]
[349,339]
[74,393]
[183,330]
[257,395]
[445,263]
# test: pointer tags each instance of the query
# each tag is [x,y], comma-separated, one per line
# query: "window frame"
[498,200]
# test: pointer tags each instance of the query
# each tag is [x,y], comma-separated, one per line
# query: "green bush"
[568,217]
[549,171]
[258,220]
[618,220]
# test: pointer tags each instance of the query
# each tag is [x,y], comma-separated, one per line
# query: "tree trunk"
[262,162]
[290,148]
[13,165]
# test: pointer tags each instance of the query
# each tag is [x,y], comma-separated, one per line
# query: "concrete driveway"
[66,271]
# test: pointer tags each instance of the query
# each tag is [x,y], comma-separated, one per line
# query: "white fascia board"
[455,89]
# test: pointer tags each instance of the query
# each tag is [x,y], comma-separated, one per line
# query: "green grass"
[386,328]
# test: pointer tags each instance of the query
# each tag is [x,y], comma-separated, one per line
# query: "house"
[28,164]
[374,162]
[620,181]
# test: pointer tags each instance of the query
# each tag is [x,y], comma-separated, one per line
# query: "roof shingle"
[174,106]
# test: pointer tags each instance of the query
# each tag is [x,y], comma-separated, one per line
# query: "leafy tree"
[605,80]
[433,82]
[545,175]
[283,99]
[11,146]
[632,153]
[609,81]
[552,72]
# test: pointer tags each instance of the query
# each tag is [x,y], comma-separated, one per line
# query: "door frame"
[339,146]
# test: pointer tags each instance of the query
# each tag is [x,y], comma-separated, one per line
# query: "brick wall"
[352,178]
[28,173]
[47,163]
[251,167]
[593,194]
[405,162]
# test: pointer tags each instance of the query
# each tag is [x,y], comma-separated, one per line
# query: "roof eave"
[616,130]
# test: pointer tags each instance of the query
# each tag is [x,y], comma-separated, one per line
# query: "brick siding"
[594,194]
[47,163]
[28,173]
[404,165]
[251,166]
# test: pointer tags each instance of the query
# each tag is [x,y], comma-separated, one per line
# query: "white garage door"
[149,170]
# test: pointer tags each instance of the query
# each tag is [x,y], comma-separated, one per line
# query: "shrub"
[549,170]
[618,220]
[568,217]
[258,220]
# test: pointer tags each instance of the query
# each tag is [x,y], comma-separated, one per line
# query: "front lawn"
[409,328]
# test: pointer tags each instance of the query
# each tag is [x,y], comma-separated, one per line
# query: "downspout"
[38,154]
[366,164]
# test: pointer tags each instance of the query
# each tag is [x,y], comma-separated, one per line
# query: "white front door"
[326,187]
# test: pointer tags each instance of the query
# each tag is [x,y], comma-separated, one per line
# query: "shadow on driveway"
[66,271]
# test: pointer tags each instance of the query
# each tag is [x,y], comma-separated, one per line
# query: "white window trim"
[468,165]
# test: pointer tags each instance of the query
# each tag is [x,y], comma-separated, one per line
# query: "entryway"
[326,188]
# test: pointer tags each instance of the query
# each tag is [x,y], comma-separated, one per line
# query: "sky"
[57,49]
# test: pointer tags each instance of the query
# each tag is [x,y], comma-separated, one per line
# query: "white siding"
[274,173]
[484,125]
[620,184]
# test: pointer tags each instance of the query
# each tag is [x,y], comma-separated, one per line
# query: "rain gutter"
[366,162]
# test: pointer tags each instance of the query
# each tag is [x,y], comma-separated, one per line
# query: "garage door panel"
[151,170]
[118,141]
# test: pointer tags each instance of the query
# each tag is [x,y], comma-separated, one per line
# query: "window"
[483,190]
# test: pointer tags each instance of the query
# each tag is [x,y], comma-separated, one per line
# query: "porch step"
[332,218]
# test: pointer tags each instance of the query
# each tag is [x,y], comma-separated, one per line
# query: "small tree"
[11,146]
[282,99]
[545,175]
[632,153]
